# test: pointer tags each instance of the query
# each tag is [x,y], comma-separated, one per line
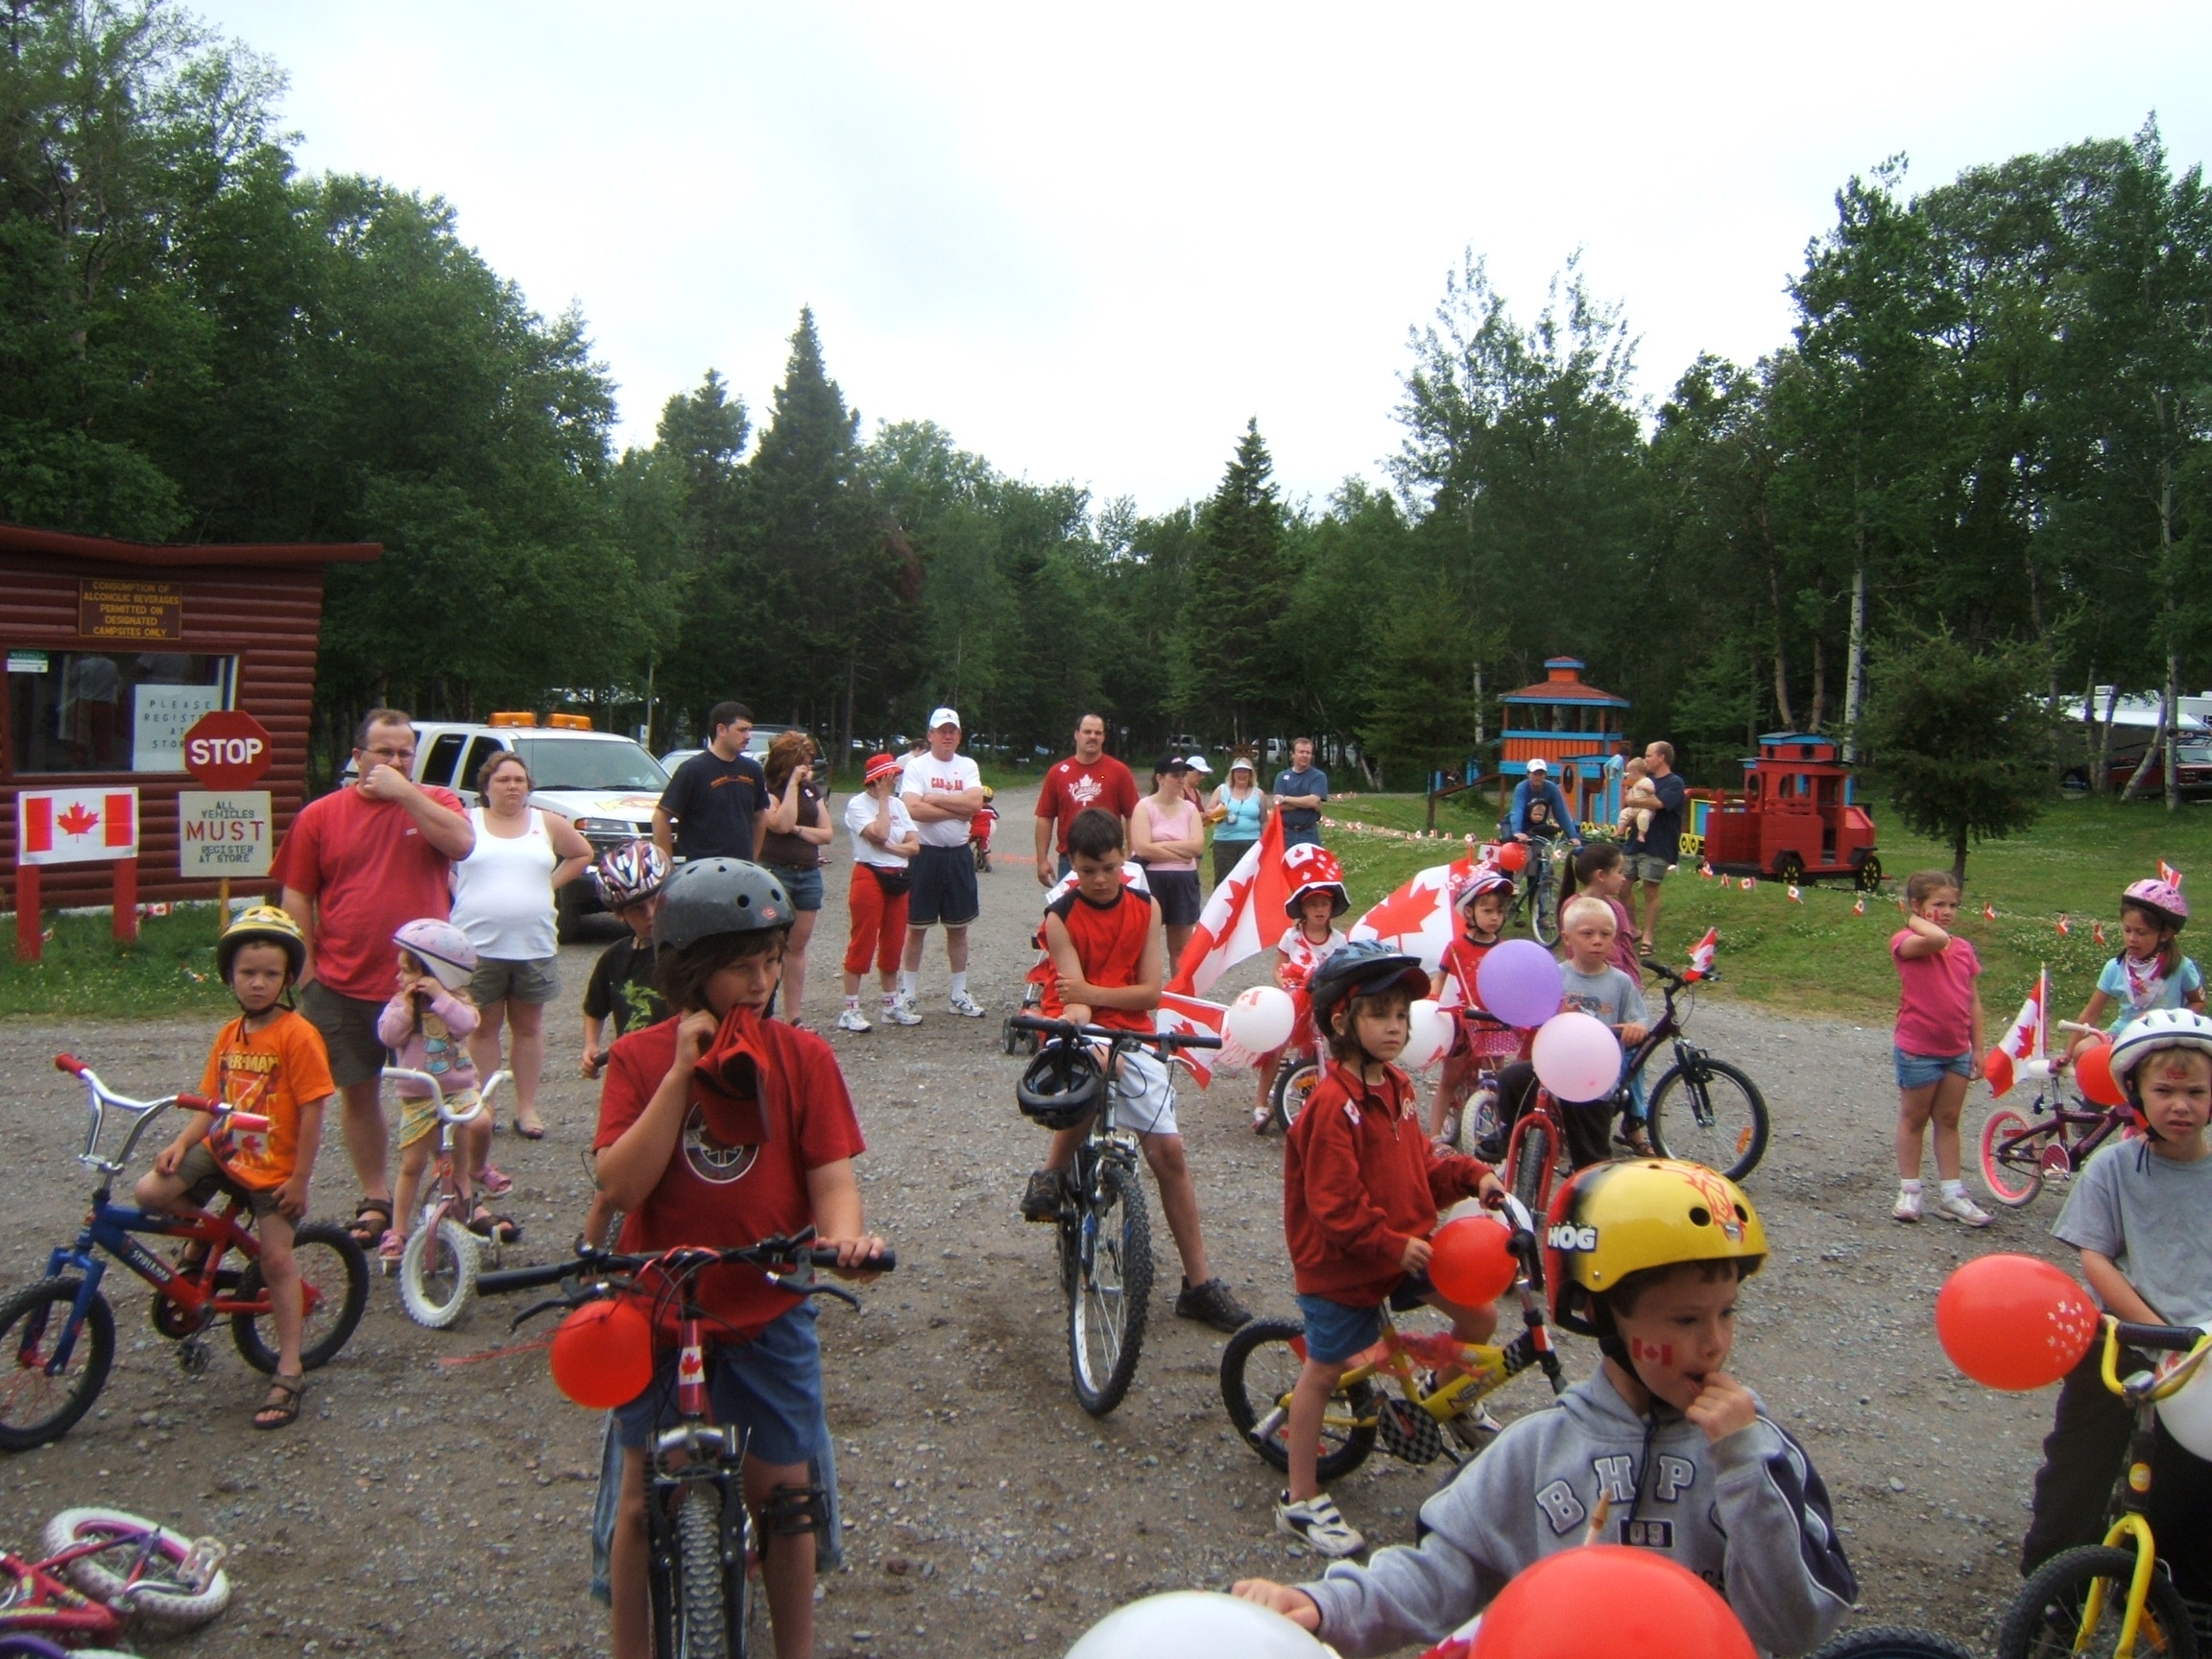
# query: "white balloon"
[1430,1036]
[2188,1414]
[1262,1018]
[1577,1056]
[1195,1624]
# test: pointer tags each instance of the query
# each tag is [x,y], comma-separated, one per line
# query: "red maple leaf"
[1403,911]
[76,820]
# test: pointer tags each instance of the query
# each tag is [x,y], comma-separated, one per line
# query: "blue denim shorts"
[1336,1331]
[1918,1070]
[771,1388]
[804,885]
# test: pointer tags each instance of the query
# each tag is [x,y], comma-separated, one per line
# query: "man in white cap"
[1539,809]
[942,790]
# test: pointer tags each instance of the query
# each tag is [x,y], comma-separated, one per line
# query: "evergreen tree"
[1239,584]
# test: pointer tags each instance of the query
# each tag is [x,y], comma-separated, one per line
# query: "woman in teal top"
[1244,809]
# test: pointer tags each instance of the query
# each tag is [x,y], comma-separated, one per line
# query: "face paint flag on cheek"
[1656,1352]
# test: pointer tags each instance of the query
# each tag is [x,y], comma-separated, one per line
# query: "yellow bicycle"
[1259,1368]
[2067,1605]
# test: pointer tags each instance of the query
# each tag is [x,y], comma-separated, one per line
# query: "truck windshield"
[568,763]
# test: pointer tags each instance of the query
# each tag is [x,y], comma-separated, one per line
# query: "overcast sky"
[1091,242]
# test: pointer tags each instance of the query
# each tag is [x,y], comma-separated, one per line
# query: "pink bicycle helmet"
[1482,879]
[445,950]
[2163,897]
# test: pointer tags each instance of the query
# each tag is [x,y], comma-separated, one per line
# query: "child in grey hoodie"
[1662,1450]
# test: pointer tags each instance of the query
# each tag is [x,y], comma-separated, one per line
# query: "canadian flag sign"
[75,826]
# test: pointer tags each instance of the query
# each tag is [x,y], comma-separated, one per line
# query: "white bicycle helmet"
[2148,1033]
[443,948]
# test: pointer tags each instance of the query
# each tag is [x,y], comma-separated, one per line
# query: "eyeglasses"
[397,757]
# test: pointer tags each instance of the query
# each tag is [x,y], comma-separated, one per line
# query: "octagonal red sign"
[226,748]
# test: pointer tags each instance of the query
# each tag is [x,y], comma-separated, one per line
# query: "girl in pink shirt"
[1938,1034]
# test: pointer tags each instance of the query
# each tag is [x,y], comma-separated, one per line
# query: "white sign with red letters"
[76,826]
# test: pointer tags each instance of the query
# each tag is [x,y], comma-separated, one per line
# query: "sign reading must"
[222,834]
[113,610]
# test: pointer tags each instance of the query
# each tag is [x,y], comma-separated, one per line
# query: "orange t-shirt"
[272,1071]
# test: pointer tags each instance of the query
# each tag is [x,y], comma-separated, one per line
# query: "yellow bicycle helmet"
[1614,1219]
[261,924]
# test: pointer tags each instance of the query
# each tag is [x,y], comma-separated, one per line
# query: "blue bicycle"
[57,1336]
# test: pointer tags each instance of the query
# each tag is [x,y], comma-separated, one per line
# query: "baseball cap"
[1172,763]
[1197,764]
[1538,767]
[944,717]
[880,765]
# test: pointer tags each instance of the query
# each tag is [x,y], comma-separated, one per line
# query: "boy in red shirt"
[270,1062]
[1361,1190]
[719,1127]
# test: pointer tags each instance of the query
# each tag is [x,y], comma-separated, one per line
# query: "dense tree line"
[1990,422]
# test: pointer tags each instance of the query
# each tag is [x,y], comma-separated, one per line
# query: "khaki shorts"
[1643,867]
[204,1179]
[349,1027]
[497,979]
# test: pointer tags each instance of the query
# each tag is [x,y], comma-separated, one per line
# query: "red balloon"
[603,1354]
[1512,857]
[2093,1071]
[2014,1322]
[1609,1601]
[1471,1263]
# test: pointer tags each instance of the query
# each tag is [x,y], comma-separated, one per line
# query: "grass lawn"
[82,973]
[1817,956]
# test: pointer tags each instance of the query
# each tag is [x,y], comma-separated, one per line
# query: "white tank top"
[503,892]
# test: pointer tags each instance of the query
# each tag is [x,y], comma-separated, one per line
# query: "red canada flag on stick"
[2169,875]
[1243,917]
[2022,1046]
[1701,954]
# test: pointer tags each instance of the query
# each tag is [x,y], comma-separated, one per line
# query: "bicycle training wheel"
[1113,1289]
[2045,1620]
[1710,1114]
[438,1273]
[1532,1166]
[2012,1168]
[36,1406]
[335,1274]
[164,1598]
[698,1601]
[1891,1642]
[1259,1368]
[1294,1086]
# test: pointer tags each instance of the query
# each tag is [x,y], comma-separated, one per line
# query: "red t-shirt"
[1108,941]
[368,867]
[1462,963]
[1934,997]
[740,1172]
[1070,787]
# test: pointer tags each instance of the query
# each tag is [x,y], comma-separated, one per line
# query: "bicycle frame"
[2102,1123]
[35,1597]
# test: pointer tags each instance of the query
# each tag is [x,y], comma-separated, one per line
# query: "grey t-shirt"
[2153,1217]
[1609,993]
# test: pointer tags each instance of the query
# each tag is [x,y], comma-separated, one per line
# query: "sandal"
[365,1231]
[391,1248]
[281,1413]
[529,1133]
[495,1185]
[498,1228]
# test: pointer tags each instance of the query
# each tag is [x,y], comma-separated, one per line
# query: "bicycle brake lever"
[837,1290]
[571,1301]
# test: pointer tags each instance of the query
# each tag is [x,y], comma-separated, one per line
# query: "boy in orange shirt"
[270,1062]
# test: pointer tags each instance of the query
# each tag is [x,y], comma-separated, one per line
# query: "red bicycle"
[105,1571]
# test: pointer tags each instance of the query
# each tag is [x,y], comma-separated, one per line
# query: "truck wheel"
[1790,867]
[1869,877]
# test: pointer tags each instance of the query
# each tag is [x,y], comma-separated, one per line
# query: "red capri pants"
[879,923]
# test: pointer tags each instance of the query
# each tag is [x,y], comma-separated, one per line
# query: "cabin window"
[108,711]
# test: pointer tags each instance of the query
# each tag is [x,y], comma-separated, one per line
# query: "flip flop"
[536,1134]
[273,1414]
[366,1236]
[498,1228]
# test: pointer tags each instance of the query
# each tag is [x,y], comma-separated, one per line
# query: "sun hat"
[945,717]
[881,766]
[1242,763]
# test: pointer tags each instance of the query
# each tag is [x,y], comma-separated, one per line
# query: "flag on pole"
[1701,955]
[1416,919]
[1795,897]
[1858,905]
[2065,927]
[1243,917]
[2169,875]
[1196,1016]
[2097,932]
[1988,911]
[1749,882]
[2021,1047]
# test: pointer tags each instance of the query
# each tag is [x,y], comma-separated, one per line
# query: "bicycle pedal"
[201,1562]
[192,1357]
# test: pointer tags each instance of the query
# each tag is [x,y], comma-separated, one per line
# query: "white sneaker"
[853,1019]
[1908,1206]
[899,1012]
[1959,1208]
[1317,1522]
[966,1006]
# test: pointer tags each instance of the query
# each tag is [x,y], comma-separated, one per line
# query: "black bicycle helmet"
[711,896]
[1362,969]
[1062,1086]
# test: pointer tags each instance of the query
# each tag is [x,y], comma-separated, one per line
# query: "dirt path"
[425,1507]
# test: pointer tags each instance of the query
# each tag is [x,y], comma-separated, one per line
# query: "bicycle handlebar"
[1069,1029]
[590,1259]
[101,1097]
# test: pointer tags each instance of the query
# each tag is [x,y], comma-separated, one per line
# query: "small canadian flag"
[1749,882]
[2097,932]
[76,826]
[2169,875]
[1795,897]
[2065,927]
[1988,911]
[1702,953]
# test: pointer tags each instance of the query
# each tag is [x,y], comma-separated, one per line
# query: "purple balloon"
[1519,983]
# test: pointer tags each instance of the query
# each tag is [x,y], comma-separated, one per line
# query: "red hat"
[880,766]
[1312,869]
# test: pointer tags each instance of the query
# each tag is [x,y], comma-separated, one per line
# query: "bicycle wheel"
[165,1597]
[2045,1620]
[438,1273]
[1891,1642]
[1113,1289]
[36,1407]
[1258,1369]
[700,1609]
[2014,1173]
[1710,1114]
[1543,911]
[1294,1086]
[331,1265]
[1532,1166]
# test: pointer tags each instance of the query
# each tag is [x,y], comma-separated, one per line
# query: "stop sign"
[226,748]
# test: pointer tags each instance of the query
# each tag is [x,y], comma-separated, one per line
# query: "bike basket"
[1062,1086]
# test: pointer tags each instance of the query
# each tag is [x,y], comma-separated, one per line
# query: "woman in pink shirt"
[1938,1035]
[1167,837]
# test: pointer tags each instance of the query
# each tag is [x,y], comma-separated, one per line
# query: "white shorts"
[1144,1095]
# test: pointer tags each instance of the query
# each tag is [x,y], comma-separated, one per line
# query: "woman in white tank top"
[503,901]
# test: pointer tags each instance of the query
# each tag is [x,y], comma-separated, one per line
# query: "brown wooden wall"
[268,617]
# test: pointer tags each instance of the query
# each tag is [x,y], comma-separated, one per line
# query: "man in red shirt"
[1088,777]
[354,866]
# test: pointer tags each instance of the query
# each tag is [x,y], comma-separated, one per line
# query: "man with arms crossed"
[942,790]
[1088,777]
[355,865]
[1299,795]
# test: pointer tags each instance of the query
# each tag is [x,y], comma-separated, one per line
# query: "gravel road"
[434,1498]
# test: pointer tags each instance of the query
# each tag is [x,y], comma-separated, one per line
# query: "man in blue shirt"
[1299,793]
[1539,808]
